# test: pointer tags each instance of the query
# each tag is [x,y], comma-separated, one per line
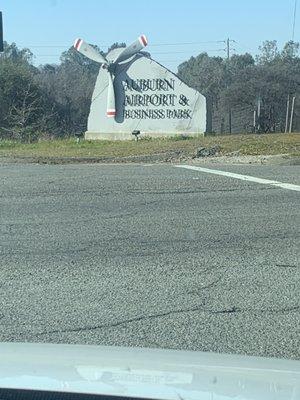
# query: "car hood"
[147,373]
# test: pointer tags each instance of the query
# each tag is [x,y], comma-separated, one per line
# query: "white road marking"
[283,185]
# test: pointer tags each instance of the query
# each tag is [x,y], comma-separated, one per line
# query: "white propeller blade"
[89,51]
[111,107]
[134,48]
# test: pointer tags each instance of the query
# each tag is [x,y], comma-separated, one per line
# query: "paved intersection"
[151,255]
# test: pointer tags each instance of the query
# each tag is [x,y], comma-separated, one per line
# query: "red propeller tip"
[78,43]
[111,113]
[143,40]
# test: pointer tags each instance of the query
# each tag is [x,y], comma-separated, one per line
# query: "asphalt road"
[151,255]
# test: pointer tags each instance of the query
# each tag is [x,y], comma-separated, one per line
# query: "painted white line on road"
[283,185]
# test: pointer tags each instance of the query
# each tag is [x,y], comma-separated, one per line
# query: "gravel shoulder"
[169,157]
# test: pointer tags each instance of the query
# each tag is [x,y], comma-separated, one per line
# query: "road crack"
[286,266]
[229,310]
[209,286]
[123,322]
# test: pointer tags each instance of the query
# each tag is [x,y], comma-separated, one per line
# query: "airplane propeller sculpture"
[109,66]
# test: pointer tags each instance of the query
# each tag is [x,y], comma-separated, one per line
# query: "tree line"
[53,100]
[262,85]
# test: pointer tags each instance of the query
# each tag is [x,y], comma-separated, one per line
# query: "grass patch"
[278,143]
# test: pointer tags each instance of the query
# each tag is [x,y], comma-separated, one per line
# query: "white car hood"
[147,373]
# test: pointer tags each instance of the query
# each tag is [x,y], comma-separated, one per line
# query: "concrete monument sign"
[134,92]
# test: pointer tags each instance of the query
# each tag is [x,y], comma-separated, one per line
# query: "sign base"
[128,136]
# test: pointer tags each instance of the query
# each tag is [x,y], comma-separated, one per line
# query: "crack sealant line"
[200,308]
[283,185]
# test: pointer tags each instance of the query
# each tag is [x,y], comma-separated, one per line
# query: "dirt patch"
[278,159]
[169,157]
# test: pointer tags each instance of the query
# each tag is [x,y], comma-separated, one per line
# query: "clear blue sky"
[38,24]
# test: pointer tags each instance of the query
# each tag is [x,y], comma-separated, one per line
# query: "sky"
[176,29]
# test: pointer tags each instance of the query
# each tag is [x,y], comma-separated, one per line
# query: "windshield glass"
[150,175]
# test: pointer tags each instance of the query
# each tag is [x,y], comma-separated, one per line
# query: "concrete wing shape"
[149,98]
[139,94]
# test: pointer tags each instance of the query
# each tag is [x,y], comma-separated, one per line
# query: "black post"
[209,115]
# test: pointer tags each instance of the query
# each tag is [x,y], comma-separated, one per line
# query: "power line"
[227,49]
[294,20]
[150,45]
[184,52]
[45,46]
[243,47]
[156,53]
[172,61]
[186,43]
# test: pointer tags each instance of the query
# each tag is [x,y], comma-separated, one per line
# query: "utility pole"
[287,114]
[294,20]
[292,114]
[228,41]
[1,33]
[258,111]
[258,106]
[228,48]
[289,124]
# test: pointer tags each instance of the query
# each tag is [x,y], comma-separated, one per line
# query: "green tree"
[268,52]
[13,53]
[204,73]
[290,51]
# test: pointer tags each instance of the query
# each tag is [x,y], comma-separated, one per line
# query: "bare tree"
[21,116]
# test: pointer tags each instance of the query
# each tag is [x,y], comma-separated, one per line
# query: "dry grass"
[244,144]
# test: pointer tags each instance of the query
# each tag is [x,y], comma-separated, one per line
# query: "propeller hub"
[111,67]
